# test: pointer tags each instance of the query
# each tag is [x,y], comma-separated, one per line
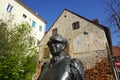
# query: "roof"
[116,51]
[30,10]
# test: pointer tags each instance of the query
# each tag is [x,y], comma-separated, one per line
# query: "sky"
[50,10]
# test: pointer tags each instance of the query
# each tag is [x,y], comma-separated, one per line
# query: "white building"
[22,13]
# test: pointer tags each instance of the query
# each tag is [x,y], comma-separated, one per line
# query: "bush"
[17,52]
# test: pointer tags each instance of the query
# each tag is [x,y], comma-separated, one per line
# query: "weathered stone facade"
[87,42]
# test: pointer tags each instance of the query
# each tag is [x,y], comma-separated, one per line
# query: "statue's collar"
[56,59]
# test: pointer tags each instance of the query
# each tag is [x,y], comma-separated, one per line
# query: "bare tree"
[113,12]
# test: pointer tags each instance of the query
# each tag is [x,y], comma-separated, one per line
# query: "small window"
[46,53]
[33,23]
[24,16]
[64,15]
[54,31]
[40,28]
[9,8]
[75,25]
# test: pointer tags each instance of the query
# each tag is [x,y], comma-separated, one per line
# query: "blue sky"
[50,10]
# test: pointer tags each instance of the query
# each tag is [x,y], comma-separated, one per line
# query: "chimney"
[95,21]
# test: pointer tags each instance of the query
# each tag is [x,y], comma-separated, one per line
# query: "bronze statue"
[61,66]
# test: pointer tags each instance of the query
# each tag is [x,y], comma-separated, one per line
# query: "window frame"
[75,25]
[9,7]
[46,53]
[24,16]
[33,23]
[40,28]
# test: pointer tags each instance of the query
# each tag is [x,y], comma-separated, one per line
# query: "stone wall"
[90,58]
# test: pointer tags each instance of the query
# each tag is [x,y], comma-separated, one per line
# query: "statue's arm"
[77,71]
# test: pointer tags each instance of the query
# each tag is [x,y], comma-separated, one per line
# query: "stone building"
[87,40]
